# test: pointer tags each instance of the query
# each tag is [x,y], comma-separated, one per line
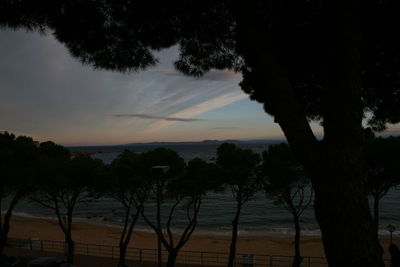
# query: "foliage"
[129,183]
[238,169]
[163,157]
[62,183]
[286,183]
[184,187]
[197,179]
[383,166]
[130,179]
[285,180]
[18,156]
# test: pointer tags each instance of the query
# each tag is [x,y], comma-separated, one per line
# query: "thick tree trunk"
[342,211]
[297,256]
[235,223]
[376,214]
[172,258]
[341,202]
[335,164]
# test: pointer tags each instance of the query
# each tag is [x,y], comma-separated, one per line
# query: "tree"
[129,184]
[383,168]
[17,157]
[286,183]
[64,183]
[184,191]
[333,61]
[162,164]
[238,169]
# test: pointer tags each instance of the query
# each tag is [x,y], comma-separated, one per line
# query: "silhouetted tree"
[17,157]
[64,183]
[163,165]
[184,191]
[383,170]
[331,61]
[129,184]
[238,169]
[285,182]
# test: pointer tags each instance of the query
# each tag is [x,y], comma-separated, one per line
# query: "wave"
[221,231]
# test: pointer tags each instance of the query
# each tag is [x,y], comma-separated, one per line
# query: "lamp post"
[158,171]
[391,229]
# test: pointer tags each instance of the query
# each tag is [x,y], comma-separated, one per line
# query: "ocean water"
[259,215]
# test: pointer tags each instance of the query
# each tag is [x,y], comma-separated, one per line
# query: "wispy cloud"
[199,108]
[213,75]
[154,117]
[226,128]
[144,102]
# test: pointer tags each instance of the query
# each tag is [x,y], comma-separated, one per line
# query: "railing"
[184,257]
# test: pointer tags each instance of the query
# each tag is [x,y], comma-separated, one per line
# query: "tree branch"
[276,91]
[171,239]
[133,223]
[127,214]
[155,229]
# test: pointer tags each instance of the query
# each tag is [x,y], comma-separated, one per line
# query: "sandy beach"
[84,232]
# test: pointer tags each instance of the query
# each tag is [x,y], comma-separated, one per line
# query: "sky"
[47,94]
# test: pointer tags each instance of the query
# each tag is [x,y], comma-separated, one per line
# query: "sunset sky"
[47,94]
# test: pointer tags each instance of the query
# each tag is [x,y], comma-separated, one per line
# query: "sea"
[260,216]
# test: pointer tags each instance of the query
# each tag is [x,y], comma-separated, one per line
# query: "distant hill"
[208,142]
[141,147]
[188,150]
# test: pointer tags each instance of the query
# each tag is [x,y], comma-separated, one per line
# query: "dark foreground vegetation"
[48,174]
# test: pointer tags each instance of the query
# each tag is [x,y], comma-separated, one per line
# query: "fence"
[184,257]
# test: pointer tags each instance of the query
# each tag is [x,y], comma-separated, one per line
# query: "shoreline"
[96,233]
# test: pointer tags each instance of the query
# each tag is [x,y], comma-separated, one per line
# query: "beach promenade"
[99,243]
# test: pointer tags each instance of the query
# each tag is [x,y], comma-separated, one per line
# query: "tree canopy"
[129,184]
[64,182]
[383,164]
[286,183]
[382,159]
[239,170]
[18,156]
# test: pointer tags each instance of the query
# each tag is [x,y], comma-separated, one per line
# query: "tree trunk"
[70,242]
[159,228]
[4,235]
[122,254]
[235,223]
[342,211]
[172,258]
[297,257]
[341,199]
[5,227]
[335,164]
[376,214]
[3,242]
[70,249]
